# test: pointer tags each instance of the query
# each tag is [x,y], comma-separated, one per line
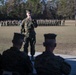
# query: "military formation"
[10,23]
[50,22]
[40,22]
[16,62]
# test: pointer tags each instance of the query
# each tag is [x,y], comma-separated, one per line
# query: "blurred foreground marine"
[15,62]
[0,64]
[49,64]
[27,28]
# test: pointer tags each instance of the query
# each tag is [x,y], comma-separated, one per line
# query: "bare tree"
[75,10]
[66,8]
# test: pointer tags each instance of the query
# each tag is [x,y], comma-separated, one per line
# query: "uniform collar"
[48,53]
[14,48]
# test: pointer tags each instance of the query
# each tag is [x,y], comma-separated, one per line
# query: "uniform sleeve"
[22,27]
[27,63]
[65,68]
[22,24]
[39,65]
[35,23]
[0,63]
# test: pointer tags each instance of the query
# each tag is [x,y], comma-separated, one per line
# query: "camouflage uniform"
[27,28]
[49,64]
[15,61]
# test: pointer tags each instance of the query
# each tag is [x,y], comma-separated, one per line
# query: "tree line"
[15,9]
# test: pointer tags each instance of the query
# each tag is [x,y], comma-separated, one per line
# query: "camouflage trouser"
[32,42]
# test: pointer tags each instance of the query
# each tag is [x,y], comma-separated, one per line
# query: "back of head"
[50,39]
[18,38]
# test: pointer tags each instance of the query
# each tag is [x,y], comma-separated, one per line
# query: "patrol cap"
[49,39]
[50,36]
[28,11]
[18,37]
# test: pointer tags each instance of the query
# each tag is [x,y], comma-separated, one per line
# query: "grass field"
[66,38]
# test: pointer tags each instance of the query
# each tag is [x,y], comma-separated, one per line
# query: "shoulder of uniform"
[24,54]
[38,56]
[24,19]
[60,58]
[6,51]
